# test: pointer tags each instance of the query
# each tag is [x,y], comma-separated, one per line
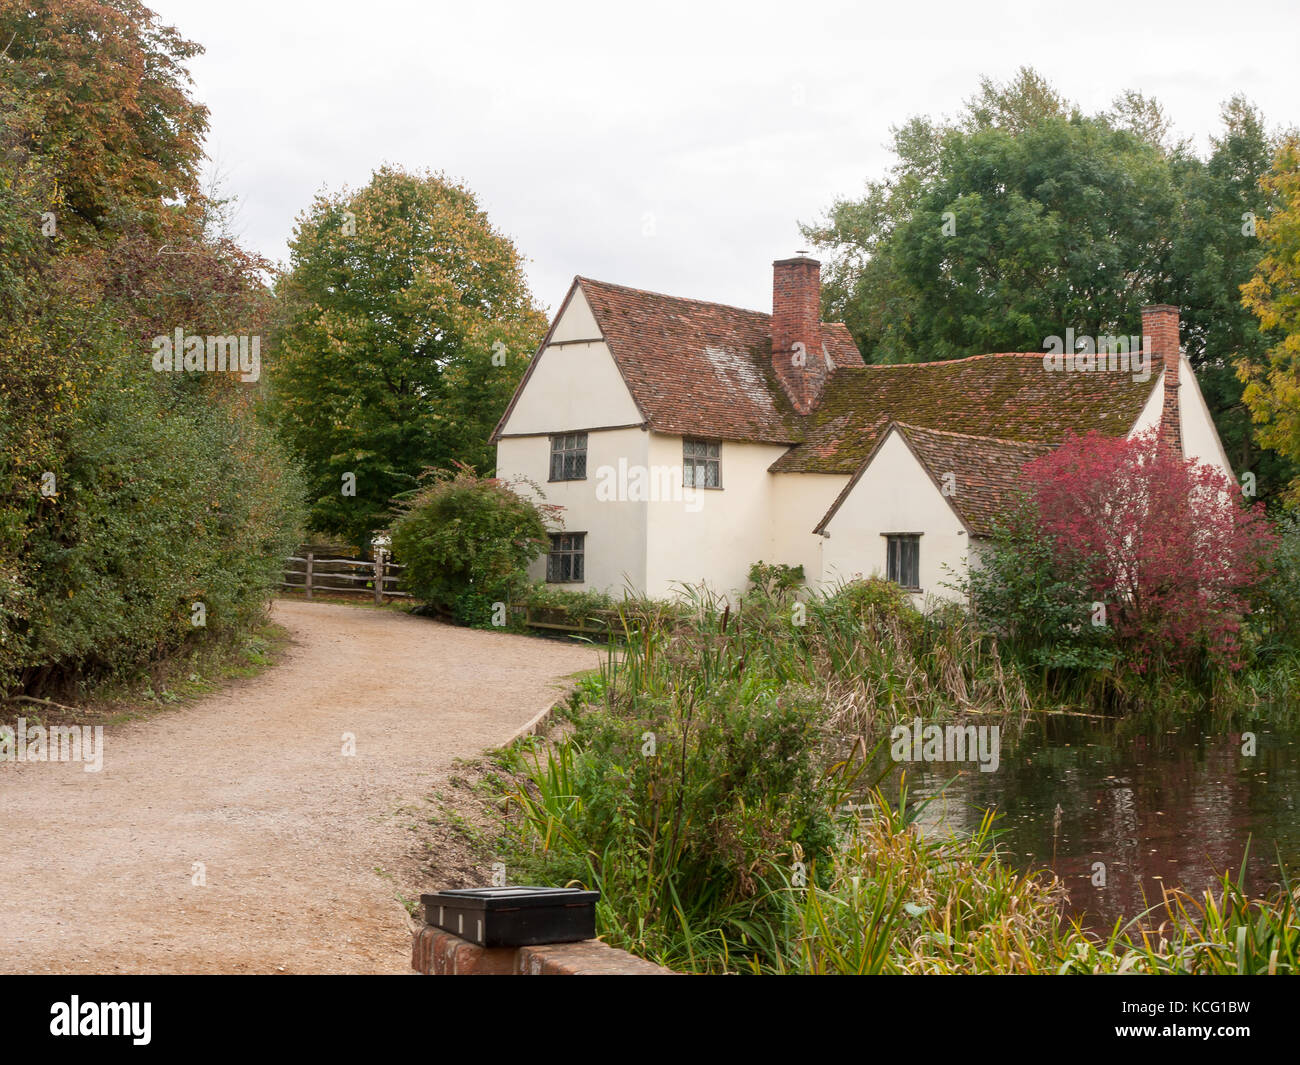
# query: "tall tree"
[992,239]
[1024,217]
[1018,105]
[404,324]
[1215,252]
[1273,295]
[113,119]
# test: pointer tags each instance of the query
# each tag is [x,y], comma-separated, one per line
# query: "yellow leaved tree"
[1273,391]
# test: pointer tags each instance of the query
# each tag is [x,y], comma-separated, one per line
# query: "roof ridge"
[968,358]
[667,296]
[949,362]
[689,299]
[969,436]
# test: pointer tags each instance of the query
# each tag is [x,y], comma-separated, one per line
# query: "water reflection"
[1170,803]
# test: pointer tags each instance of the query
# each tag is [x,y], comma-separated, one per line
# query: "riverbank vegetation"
[719,781]
[712,781]
[1126,576]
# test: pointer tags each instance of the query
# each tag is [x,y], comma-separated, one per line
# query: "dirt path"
[96,868]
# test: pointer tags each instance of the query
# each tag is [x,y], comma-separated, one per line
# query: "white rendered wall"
[715,535]
[799,502]
[573,386]
[896,495]
[1200,437]
[616,530]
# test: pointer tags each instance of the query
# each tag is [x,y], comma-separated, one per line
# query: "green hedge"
[167,496]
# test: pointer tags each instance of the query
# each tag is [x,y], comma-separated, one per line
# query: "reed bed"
[712,788]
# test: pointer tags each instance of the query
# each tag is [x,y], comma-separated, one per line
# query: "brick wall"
[1160,327]
[438,953]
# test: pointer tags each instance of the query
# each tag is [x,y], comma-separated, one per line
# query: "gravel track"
[96,868]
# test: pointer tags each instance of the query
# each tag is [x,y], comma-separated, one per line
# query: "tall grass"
[693,794]
[873,657]
[884,899]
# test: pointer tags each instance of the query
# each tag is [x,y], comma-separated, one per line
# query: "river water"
[1141,804]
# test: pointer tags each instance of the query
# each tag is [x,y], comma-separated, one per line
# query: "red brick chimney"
[797,353]
[1160,330]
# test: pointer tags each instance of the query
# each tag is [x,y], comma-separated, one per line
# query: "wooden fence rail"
[344,576]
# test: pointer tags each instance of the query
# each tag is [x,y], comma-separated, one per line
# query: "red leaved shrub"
[1168,543]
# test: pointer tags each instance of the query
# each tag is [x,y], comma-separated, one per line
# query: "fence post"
[379,577]
[310,556]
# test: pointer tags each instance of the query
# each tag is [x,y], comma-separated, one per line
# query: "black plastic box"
[514,916]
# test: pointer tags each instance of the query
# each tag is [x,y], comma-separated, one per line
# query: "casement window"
[701,464]
[904,559]
[569,457]
[565,563]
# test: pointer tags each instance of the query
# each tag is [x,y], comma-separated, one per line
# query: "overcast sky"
[670,146]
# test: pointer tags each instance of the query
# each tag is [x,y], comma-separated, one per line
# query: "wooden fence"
[592,623]
[312,572]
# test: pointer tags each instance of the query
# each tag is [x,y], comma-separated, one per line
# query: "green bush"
[167,497]
[543,596]
[559,605]
[465,543]
[775,579]
[873,594]
[1037,602]
[877,603]
[686,810]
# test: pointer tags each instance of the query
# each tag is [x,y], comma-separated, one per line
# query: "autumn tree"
[1273,295]
[110,108]
[404,324]
[128,498]
[1166,544]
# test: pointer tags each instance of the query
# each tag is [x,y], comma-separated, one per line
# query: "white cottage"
[686,440]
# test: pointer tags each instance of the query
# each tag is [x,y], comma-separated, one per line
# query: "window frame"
[569,454]
[556,552]
[903,538]
[712,454]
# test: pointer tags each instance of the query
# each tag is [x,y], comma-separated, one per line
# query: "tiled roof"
[840,345]
[701,368]
[705,369]
[979,475]
[1005,396]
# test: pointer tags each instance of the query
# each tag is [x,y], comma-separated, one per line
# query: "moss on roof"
[1008,396]
[705,369]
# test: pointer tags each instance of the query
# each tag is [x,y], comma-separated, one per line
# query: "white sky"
[670,146]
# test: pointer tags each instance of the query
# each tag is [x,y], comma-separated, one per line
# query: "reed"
[693,792]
